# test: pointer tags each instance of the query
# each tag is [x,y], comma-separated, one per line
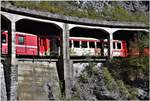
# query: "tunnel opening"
[89,42]
[131,42]
[41,39]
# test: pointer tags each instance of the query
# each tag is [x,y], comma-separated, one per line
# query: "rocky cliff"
[132,6]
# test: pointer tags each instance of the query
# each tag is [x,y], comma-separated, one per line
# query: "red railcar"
[27,44]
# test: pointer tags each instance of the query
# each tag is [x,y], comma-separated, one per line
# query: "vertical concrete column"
[3,94]
[66,60]
[12,54]
[111,45]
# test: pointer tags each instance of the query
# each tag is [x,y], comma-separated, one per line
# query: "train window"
[84,44]
[41,42]
[44,42]
[70,44]
[21,40]
[105,45]
[118,45]
[92,44]
[114,45]
[3,38]
[98,45]
[76,44]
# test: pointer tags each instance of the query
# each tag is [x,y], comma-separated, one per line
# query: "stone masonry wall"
[37,81]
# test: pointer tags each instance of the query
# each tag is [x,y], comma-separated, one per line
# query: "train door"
[54,46]
[105,46]
[92,48]
[84,48]
[76,50]
[4,42]
[98,49]
[44,46]
[117,48]
[124,49]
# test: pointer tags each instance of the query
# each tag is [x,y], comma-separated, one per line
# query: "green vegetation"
[63,7]
[126,72]
[143,40]
[89,72]
[120,14]
[117,85]
[109,80]
[132,67]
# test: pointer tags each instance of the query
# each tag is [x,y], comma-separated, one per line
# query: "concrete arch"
[106,29]
[90,32]
[5,22]
[131,31]
[127,29]
[37,26]
[4,17]
[131,37]
[15,17]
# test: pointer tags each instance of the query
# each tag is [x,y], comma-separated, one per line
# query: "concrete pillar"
[66,61]
[111,45]
[12,60]
[3,94]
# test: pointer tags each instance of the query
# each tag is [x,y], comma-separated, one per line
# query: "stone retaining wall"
[37,81]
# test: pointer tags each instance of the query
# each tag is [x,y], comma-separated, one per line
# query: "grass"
[64,8]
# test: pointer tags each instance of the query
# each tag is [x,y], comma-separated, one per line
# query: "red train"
[29,44]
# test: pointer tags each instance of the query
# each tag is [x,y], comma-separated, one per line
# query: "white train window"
[98,45]
[92,44]
[70,44]
[76,44]
[118,45]
[84,44]
[114,45]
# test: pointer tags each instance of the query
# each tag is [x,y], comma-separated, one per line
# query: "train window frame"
[105,44]
[75,44]
[4,38]
[92,45]
[114,45]
[84,45]
[41,41]
[98,46]
[119,44]
[70,44]
[22,42]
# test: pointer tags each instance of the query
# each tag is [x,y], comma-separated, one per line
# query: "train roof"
[85,38]
[23,33]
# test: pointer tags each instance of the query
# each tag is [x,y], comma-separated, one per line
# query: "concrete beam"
[21,17]
[70,19]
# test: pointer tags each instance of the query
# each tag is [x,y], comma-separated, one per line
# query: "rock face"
[91,83]
[132,6]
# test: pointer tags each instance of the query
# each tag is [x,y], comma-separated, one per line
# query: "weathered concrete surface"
[3,84]
[71,19]
[38,81]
